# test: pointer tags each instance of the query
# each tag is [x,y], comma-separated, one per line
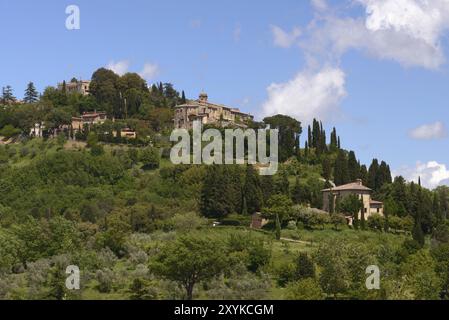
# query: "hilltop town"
[86,179]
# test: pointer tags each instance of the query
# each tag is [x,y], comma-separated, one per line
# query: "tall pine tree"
[31,94]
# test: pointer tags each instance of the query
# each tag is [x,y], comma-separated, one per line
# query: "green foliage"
[278,205]
[9,131]
[289,129]
[150,158]
[305,267]
[221,191]
[350,205]
[338,220]
[421,277]
[376,222]
[312,218]
[189,260]
[252,191]
[142,289]
[31,94]
[278,228]
[305,289]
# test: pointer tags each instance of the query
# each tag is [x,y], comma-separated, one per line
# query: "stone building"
[38,130]
[258,221]
[370,206]
[208,113]
[79,86]
[126,133]
[88,118]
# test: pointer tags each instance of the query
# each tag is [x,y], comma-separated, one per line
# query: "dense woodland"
[141,228]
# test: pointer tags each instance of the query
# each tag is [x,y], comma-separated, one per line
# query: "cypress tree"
[436,206]
[373,175]
[296,193]
[216,194]
[278,228]
[252,190]
[298,147]
[327,168]
[183,98]
[353,167]
[341,174]
[334,142]
[418,233]
[266,184]
[244,207]
[331,203]
[306,150]
[362,220]
[364,174]
[305,268]
[310,138]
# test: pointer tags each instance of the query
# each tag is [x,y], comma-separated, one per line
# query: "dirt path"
[297,241]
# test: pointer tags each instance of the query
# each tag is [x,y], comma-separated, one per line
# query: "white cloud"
[432,174]
[431,131]
[119,67]
[409,32]
[320,5]
[283,38]
[150,71]
[310,94]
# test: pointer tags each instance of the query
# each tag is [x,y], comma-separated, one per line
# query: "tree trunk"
[189,291]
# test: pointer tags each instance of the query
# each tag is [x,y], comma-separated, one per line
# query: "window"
[366,210]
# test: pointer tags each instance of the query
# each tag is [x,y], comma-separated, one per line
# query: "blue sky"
[375,69]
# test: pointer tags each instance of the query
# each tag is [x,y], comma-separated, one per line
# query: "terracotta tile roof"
[198,104]
[354,186]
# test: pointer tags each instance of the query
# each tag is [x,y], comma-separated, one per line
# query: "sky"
[377,70]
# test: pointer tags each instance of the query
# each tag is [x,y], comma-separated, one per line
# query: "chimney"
[359,182]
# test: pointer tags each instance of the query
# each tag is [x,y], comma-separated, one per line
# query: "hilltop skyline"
[373,69]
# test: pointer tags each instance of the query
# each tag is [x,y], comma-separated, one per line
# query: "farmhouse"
[89,119]
[208,113]
[370,206]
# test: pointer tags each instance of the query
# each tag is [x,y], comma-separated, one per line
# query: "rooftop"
[354,186]
[203,100]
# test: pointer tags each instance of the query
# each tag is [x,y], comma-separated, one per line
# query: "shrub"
[187,222]
[306,289]
[376,222]
[285,274]
[338,220]
[150,158]
[312,218]
[105,280]
[401,224]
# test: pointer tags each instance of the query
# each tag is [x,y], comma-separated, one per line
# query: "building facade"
[370,206]
[208,113]
[79,86]
[89,119]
